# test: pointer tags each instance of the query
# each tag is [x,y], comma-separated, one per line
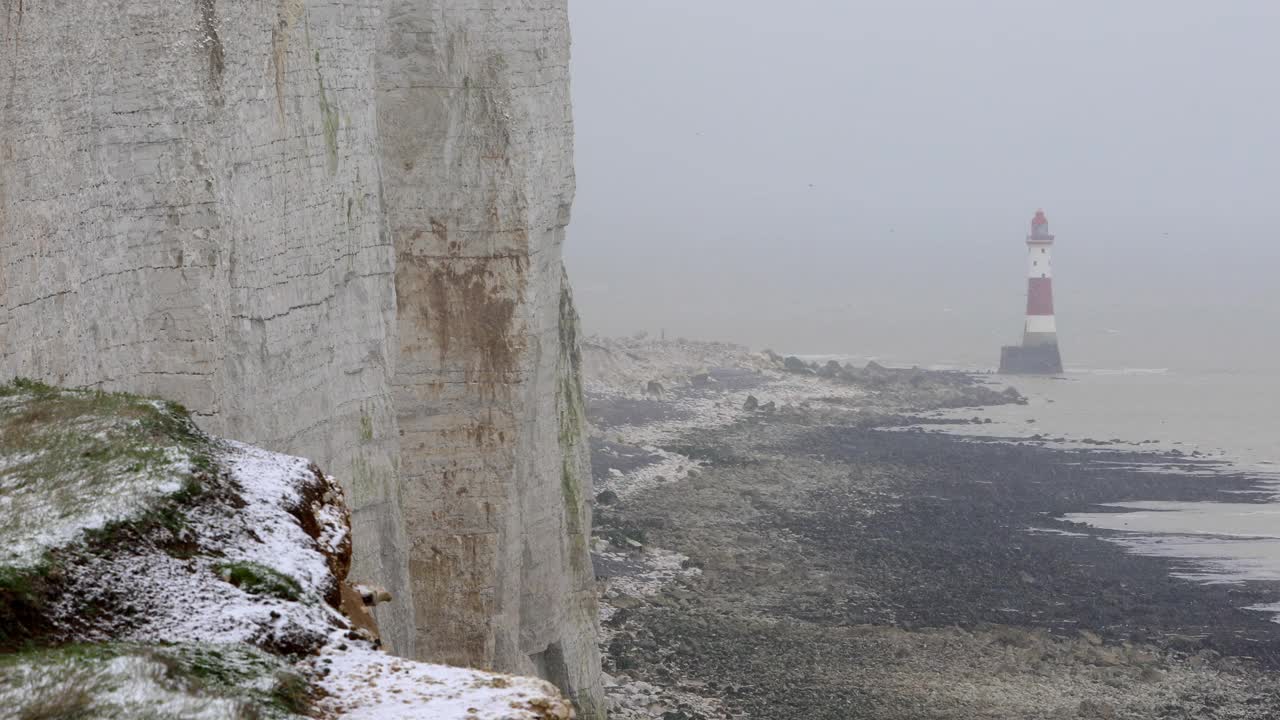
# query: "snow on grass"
[201,598]
[363,684]
[131,681]
[271,483]
[72,461]
[234,574]
[123,687]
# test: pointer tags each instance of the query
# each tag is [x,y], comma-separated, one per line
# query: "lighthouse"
[1038,354]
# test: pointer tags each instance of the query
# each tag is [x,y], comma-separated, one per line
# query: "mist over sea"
[939,291]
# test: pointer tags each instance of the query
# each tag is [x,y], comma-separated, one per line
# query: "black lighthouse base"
[1030,360]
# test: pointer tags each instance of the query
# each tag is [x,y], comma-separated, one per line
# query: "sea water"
[1227,418]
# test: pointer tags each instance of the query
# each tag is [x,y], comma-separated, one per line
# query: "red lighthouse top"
[1040,229]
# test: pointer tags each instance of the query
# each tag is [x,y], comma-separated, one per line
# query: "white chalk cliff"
[331,228]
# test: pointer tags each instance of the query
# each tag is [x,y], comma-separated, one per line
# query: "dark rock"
[752,404]
[608,497]
[796,365]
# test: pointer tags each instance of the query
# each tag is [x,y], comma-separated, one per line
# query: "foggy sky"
[857,177]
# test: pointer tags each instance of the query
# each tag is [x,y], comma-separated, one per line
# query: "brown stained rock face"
[456,579]
[352,605]
[324,495]
[465,309]
[477,159]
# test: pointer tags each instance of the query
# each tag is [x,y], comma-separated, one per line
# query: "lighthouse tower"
[1038,354]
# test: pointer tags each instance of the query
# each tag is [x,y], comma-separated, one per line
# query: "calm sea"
[1230,417]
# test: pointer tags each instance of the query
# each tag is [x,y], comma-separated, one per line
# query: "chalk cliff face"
[190,207]
[476,128]
[332,228]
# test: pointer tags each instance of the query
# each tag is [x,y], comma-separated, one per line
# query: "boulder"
[830,370]
[796,365]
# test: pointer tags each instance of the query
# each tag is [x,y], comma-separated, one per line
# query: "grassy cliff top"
[150,571]
[80,460]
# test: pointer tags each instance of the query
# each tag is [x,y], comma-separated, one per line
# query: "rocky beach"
[783,539]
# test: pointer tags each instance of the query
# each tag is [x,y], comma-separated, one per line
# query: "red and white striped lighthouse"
[1038,354]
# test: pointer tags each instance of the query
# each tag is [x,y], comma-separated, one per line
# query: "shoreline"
[827,560]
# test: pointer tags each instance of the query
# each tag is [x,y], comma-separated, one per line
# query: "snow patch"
[365,684]
[174,599]
[127,686]
[671,467]
[52,486]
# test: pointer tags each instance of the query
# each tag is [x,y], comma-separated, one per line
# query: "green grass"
[23,581]
[65,654]
[258,579]
[22,601]
[291,693]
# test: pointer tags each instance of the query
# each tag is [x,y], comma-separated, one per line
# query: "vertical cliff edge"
[476,131]
[331,228]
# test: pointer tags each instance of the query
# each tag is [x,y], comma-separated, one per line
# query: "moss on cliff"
[329,120]
[572,416]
